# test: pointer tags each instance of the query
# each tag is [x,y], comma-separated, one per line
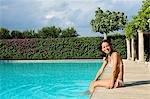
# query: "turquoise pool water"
[46,80]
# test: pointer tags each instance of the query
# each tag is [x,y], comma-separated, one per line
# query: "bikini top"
[108,69]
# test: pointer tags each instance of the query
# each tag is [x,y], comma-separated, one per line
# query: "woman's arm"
[101,69]
[114,69]
[121,74]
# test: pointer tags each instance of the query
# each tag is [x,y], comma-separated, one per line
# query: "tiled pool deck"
[137,84]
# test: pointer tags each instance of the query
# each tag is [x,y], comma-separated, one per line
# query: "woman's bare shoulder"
[117,55]
[114,54]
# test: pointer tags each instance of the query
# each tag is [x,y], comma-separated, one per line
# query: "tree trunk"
[141,46]
[105,36]
[132,47]
[128,49]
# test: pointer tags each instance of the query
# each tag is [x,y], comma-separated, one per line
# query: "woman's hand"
[111,86]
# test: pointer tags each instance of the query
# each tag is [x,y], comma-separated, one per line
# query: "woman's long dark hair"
[101,52]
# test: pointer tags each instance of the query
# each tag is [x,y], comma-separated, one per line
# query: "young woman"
[111,71]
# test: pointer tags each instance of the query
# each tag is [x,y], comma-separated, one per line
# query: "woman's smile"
[106,48]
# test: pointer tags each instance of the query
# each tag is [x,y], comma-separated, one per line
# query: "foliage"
[57,48]
[49,32]
[106,21]
[28,34]
[116,36]
[4,33]
[130,30]
[69,32]
[45,32]
[16,34]
[120,46]
[141,20]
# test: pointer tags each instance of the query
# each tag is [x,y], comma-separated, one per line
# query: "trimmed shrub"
[57,48]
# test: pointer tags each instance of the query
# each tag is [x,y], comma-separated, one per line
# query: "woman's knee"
[95,83]
[101,83]
[92,83]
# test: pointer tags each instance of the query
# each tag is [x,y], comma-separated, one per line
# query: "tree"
[140,24]
[141,20]
[16,34]
[36,35]
[130,33]
[69,32]
[130,30]
[106,21]
[4,33]
[28,33]
[49,32]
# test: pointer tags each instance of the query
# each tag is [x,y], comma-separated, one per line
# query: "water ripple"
[50,91]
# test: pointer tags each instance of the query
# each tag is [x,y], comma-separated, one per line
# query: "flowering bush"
[56,48]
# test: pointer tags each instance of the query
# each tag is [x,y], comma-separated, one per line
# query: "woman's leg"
[99,83]
[119,83]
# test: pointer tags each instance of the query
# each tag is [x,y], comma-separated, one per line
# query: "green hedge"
[58,48]
[119,44]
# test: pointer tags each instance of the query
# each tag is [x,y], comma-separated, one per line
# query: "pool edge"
[55,61]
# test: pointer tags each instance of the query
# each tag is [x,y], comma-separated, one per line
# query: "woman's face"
[106,48]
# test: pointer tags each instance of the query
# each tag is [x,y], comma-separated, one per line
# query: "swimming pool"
[46,80]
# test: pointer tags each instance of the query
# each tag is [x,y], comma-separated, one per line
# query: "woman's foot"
[86,93]
[91,90]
